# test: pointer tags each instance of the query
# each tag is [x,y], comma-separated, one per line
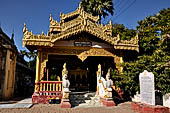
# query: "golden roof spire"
[118,36]
[80,6]
[42,33]
[51,18]
[25,30]
[61,15]
[137,36]
[110,22]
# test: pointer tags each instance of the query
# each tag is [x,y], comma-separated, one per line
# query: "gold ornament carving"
[66,95]
[83,22]
[36,89]
[94,52]
[64,71]
[99,71]
[43,64]
[64,51]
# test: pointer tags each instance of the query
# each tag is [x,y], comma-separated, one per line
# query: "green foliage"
[150,30]
[158,63]
[53,77]
[154,41]
[32,56]
[98,7]
[125,33]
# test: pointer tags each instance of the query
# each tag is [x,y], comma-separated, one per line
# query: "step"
[80,98]
[85,99]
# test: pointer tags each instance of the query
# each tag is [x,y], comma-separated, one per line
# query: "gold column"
[118,61]
[37,79]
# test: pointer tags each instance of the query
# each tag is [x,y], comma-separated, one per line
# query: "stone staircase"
[84,99]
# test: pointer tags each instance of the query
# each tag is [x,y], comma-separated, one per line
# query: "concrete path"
[55,108]
[25,103]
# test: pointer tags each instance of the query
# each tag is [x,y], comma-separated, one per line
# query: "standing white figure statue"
[108,85]
[65,82]
[108,82]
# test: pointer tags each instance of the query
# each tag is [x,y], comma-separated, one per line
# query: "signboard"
[82,44]
[147,90]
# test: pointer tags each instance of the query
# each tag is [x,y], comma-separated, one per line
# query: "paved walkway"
[25,103]
[55,108]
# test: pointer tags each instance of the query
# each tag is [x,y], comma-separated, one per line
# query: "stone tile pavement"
[25,103]
[55,108]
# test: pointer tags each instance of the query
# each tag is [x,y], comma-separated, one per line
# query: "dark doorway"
[82,75]
[92,63]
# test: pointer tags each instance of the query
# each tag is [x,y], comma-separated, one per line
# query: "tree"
[32,56]
[154,39]
[125,33]
[98,7]
[150,30]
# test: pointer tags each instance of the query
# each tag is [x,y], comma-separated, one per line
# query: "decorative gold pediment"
[83,22]
[94,52]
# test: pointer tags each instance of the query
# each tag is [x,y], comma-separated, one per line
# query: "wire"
[120,5]
[121,12]
[123,5]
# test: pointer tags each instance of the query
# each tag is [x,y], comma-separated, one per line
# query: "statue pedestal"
[107,102]
[65,103]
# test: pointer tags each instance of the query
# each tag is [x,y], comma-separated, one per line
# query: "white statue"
[65,82]
[108,82]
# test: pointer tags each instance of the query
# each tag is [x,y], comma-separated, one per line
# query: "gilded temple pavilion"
[82,43]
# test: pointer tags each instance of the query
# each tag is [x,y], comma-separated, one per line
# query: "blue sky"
[35,13]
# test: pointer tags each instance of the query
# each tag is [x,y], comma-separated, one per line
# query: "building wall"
[9,80]
[8,52]
[2,68]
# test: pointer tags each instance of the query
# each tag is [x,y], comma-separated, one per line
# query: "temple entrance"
[82,75]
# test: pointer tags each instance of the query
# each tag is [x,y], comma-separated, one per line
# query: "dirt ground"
[55,108]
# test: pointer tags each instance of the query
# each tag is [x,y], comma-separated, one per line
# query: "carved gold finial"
[108,72]
[98,17]
[99,67]
[80,5]
[110,22]
[64,71]
[25,30]
[99,70]
[137,36]
[42,33]
[118,36]
[61,15]
[51,18]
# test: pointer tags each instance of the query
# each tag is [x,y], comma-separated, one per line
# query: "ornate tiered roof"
[75,23]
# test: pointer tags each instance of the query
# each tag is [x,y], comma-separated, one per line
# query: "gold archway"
[95,52]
